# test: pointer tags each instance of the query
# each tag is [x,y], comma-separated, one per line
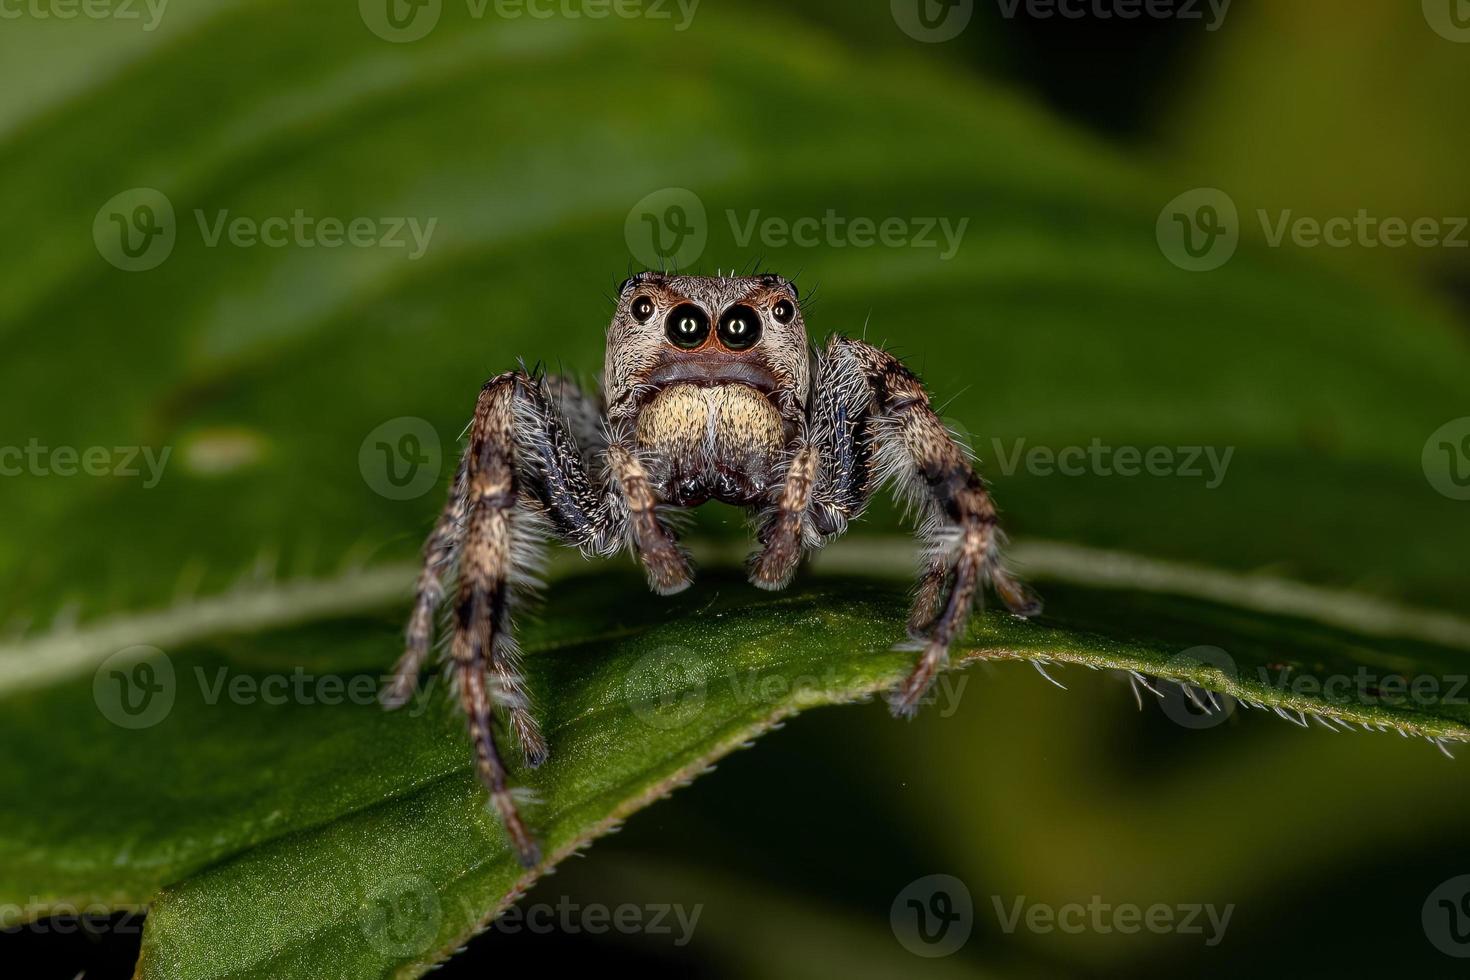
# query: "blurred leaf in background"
[1315,111]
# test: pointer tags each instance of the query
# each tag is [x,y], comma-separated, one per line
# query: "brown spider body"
[711,391]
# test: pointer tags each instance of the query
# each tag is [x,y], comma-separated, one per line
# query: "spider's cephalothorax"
[710,391]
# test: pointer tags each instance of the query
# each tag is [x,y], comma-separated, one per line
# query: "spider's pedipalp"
[666,563]
[782,538]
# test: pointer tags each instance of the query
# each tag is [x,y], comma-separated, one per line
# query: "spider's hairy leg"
[444,545]
[480,609]
[438,554]
[958,517]
[928,594]
[582,414]
[665,562]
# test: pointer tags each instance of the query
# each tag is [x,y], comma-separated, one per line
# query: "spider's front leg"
[522,473]
[958,517]
[873,423]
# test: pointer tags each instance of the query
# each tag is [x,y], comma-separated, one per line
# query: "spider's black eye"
[740,327]
[687,326]
[642,309]
[784,311]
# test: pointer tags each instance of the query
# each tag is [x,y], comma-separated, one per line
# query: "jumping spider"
[710,391]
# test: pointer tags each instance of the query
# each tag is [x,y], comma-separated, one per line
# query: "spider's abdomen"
[711,441]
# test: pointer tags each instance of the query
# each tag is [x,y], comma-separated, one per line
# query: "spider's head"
[707,331]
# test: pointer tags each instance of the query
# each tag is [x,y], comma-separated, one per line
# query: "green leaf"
[313,838]
[285,839]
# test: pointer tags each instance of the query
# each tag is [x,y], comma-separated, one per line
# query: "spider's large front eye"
[687,326]
[784,311]
[740,327]
[643,309]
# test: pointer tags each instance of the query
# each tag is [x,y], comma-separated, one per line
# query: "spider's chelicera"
[710,391]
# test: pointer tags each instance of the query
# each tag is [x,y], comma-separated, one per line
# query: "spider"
[710,391]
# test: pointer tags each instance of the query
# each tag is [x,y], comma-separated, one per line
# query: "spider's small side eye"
[687,326]
[784,311]
[740,327]
[643,309]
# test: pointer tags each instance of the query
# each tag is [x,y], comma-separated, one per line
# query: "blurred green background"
[541,147]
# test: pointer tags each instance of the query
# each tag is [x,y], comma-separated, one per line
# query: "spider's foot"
[527,850]
[533,745]
[921,620]
[904,700]
[668,570]
[772,570]
[530,857]
[1020,600]
[400,691]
